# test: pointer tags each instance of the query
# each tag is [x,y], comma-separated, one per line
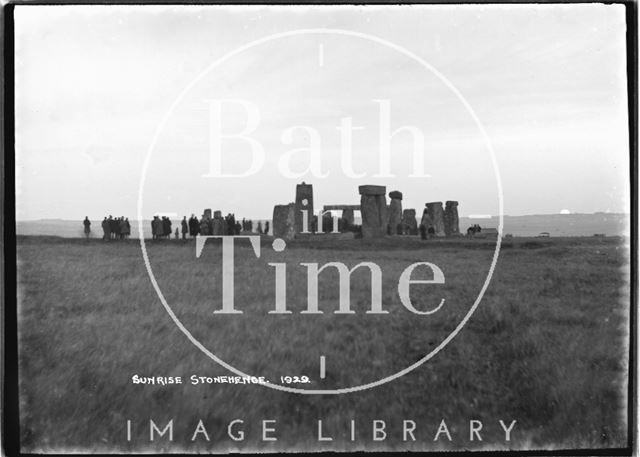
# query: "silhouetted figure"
[112,227]
[423,232]
[87,227]
[123,228]
[177,234]
[106,232]
[118,227]
[166,225]
[230,220]
[127,228]
[185,228]
[431,231]
[157,227]
[471,231]
[266,227]
[204,226]
[194,225]
[260,227]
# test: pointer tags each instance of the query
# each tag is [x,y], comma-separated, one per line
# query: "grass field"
[547,346]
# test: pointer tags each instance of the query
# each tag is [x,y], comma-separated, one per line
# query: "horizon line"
[470,216]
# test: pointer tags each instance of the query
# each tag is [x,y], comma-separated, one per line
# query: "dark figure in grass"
[87,227]
[266,227]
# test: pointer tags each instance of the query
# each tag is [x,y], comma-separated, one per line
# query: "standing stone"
[395,211]
[304,201]
[451,222]
[327,223]
[216,214]
[284,221]
[433,216]
[207,213]
[409,221]
[373,208]
[347,215]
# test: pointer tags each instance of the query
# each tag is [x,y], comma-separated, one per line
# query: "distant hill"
[609,224]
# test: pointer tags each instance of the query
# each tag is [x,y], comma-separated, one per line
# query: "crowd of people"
[227,225]
[119,228]
[161,227]
[471,231]
[113,228]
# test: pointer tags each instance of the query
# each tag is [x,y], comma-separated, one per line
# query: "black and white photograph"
[313,228]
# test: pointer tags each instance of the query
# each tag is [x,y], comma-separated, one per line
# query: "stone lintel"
[372,190]
[341,207]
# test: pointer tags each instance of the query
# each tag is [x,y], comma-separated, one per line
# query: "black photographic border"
[9,398]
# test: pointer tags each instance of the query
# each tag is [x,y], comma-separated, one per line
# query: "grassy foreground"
[547,346]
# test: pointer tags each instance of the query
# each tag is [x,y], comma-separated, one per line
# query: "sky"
[117,101]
